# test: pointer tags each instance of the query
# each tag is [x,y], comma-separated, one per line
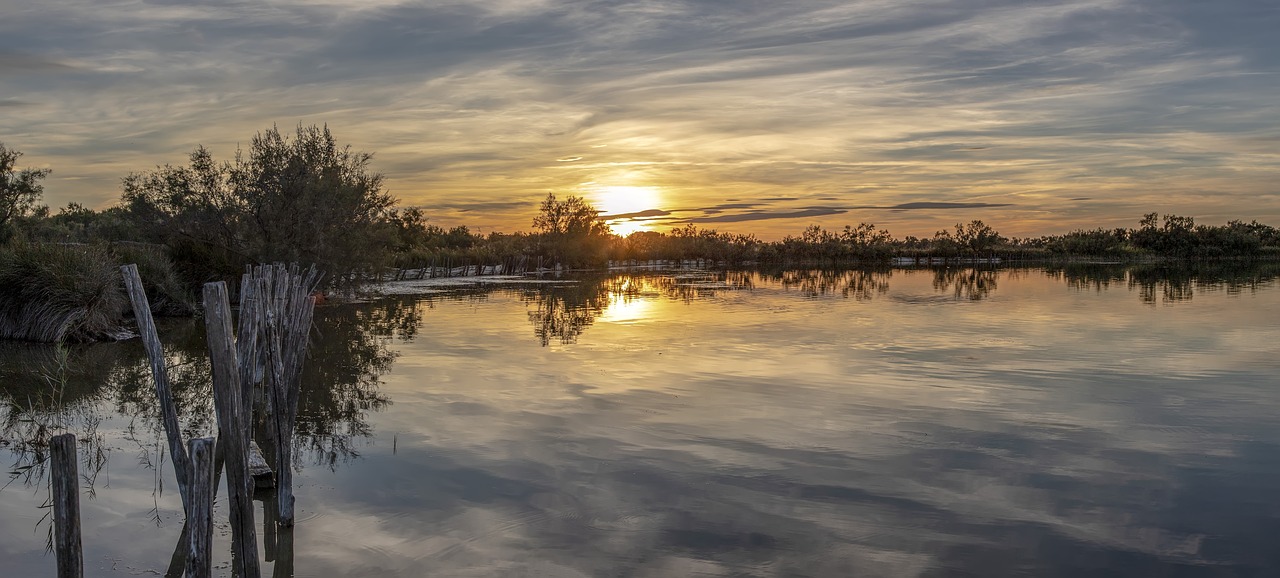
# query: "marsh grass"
[59,293]
[168,294]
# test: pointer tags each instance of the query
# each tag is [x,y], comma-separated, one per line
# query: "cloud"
[761,216]
[939,205]
[13,63]
[644,213]
[864,103]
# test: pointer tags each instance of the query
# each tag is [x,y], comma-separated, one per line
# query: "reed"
[57,293]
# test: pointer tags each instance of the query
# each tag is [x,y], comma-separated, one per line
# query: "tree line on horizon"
[304,198]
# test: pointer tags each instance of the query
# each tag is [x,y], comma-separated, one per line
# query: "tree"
[571,231]
[866,241]
[303,199]
[574,217]
[20,191]
[977,237]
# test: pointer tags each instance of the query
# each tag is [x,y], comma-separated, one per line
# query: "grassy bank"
[67,292]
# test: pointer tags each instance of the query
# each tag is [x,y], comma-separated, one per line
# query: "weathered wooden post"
[289,330]
[155,354]
[200,509]
[275,320]
[66,506]
[233,425]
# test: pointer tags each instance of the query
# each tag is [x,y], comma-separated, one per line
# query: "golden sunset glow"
[625,200]
[634,300]
[628,309]
[908,118]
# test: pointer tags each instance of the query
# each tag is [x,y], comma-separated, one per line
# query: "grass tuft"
[58,293]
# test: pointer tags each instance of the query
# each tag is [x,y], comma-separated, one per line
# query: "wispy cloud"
[644,213]
[1140,105]
[764,215]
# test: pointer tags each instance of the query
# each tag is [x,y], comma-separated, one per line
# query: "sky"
[747,116]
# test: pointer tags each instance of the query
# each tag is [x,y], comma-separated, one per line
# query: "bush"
[55,293]
[304,200]
[166,291]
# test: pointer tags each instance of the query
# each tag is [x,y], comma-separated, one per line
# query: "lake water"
[1091,421]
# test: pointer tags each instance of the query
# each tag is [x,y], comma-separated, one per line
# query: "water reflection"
[971,284]
[562,312]
[811,423]
[347,358]
[341,381]
[859,284]
[1170,283]
[788,430]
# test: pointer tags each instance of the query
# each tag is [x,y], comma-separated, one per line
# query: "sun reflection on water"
[628,304]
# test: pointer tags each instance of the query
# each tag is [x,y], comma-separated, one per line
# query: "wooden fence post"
[66,506]
[200,513]
[233,426]
[289,337]
[155,353]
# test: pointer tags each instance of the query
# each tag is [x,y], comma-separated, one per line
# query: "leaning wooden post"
[233,426]
[168,411]
[200,515]
[66,506]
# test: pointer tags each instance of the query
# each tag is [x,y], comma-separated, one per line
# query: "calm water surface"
[1096,421]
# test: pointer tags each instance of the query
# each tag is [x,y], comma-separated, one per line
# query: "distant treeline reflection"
[1171,283]
[561,313]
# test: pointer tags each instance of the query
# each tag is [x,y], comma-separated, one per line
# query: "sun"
[624,200]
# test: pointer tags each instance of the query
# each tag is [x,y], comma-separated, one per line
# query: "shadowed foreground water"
[1091,421]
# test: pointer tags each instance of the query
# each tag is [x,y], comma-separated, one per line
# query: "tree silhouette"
[20,190]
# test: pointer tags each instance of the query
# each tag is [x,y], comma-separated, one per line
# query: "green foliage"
[573,217]
[20,190]
[78,224]
[302,199]
[1181,237]
[168,294]
[1098,242]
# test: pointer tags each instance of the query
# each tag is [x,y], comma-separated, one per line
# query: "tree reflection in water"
[562,312]
[972,284]
[349,354]
[352,349]
[47,390]
[1170,282]
[858,284]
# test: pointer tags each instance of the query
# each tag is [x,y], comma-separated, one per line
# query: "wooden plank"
[66,506]
[232,427]
[199,526]
[259,469]
[160,374]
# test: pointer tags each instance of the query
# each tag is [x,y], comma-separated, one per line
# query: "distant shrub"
[168,294]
